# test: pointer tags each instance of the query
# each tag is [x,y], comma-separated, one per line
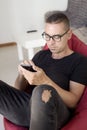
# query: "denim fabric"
[14,104]
[31,110]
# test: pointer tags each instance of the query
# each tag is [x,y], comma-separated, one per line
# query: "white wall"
[5,26]
[18,16]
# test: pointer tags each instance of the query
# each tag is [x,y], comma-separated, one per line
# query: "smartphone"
[28,67]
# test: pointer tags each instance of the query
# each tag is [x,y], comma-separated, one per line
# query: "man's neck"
[62,54]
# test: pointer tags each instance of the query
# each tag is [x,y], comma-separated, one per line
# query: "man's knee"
[44,91]
[46,95]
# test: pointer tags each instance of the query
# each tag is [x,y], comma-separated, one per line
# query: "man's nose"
[51,40]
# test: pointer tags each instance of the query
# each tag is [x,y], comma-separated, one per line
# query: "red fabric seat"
[79,120]
[11,126]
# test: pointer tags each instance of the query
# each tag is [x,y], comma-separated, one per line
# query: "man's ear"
[69,34]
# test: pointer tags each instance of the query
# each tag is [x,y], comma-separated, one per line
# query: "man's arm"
[72,96]
[20,82]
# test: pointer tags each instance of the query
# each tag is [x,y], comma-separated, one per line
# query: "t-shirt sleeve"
[80,72]
[38,57]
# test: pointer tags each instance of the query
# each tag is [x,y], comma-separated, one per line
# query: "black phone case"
[28,67]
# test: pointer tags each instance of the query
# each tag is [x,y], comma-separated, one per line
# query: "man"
[57,84]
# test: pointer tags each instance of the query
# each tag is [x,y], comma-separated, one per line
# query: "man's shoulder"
[41,55]
[80,56]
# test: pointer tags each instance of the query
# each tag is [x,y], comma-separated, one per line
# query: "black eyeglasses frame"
[53,37]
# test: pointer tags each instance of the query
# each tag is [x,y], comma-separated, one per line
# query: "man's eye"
[46,36]
[56,37]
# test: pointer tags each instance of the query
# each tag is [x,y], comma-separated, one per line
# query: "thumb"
[36,68]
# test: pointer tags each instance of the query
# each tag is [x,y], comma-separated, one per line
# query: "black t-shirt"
[61,71]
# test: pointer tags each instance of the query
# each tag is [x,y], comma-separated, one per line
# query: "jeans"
[43,110]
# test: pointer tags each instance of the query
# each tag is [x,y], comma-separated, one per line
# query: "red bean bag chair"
[79,120]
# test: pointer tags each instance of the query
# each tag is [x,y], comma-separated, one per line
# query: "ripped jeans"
[43,110]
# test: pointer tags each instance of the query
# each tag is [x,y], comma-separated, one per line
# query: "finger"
[26,62]
[31,62]
[24,71]
[34,66]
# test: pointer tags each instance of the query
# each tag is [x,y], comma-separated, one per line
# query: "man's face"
[57,44]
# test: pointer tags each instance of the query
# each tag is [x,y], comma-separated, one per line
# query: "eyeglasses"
[57,37]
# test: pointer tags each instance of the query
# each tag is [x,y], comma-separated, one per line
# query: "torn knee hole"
[46,95]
